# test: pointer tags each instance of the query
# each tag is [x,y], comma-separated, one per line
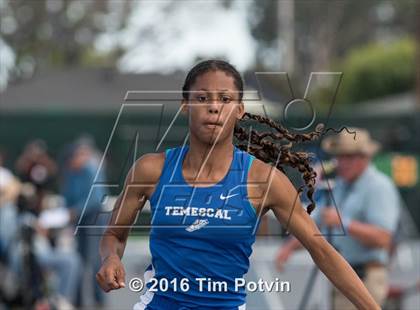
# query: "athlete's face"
[213,107]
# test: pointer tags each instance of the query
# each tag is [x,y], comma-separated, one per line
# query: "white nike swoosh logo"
[226,197]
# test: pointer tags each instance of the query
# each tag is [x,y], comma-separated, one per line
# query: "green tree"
[376,70]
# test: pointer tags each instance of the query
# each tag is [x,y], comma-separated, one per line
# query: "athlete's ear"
[184,106]
[240,110]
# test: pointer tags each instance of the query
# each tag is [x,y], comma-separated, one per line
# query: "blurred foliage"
[51,33]
[375,70]
[326,30]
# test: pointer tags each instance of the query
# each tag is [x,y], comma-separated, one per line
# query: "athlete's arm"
[282,198]
[139,183]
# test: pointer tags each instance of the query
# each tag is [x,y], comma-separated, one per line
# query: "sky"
[163,36]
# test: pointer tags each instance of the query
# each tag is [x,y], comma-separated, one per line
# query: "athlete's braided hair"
[256,143]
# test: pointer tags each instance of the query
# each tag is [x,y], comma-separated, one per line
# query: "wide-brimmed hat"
[347,143]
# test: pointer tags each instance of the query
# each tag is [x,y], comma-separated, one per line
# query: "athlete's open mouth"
[212,124]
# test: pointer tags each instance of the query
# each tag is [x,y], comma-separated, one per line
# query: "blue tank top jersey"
[201,236]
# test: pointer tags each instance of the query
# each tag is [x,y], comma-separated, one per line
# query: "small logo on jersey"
[197,225]
[226,197]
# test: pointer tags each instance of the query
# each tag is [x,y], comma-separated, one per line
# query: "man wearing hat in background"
[367,208]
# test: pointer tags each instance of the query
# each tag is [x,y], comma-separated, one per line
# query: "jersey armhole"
[158,186]
[248,202]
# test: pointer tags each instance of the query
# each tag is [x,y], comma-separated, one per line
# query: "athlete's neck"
[207,162]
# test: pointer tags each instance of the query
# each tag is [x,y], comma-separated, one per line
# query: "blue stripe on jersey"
[202,232]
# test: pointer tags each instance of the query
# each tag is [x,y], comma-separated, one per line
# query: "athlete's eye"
[225,99]
[201,98]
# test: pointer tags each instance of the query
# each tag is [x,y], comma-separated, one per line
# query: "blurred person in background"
[29,238]
[48,265]
[85,206]
[35,166]
[368,210]
[9,191]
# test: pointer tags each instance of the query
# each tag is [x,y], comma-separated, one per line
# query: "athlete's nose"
[214,106]
[214,109]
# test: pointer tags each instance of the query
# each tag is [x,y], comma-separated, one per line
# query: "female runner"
[206,199]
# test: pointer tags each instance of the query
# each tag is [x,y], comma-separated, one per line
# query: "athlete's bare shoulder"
[150,165]
[259,172]
[147,170]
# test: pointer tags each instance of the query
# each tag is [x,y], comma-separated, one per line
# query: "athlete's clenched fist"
[111,276]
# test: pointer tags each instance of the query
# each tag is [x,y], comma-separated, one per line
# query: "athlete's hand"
[111,276]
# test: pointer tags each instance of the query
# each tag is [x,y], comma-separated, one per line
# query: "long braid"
[280,155]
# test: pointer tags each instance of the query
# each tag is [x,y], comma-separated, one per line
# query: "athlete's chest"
[219,210]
